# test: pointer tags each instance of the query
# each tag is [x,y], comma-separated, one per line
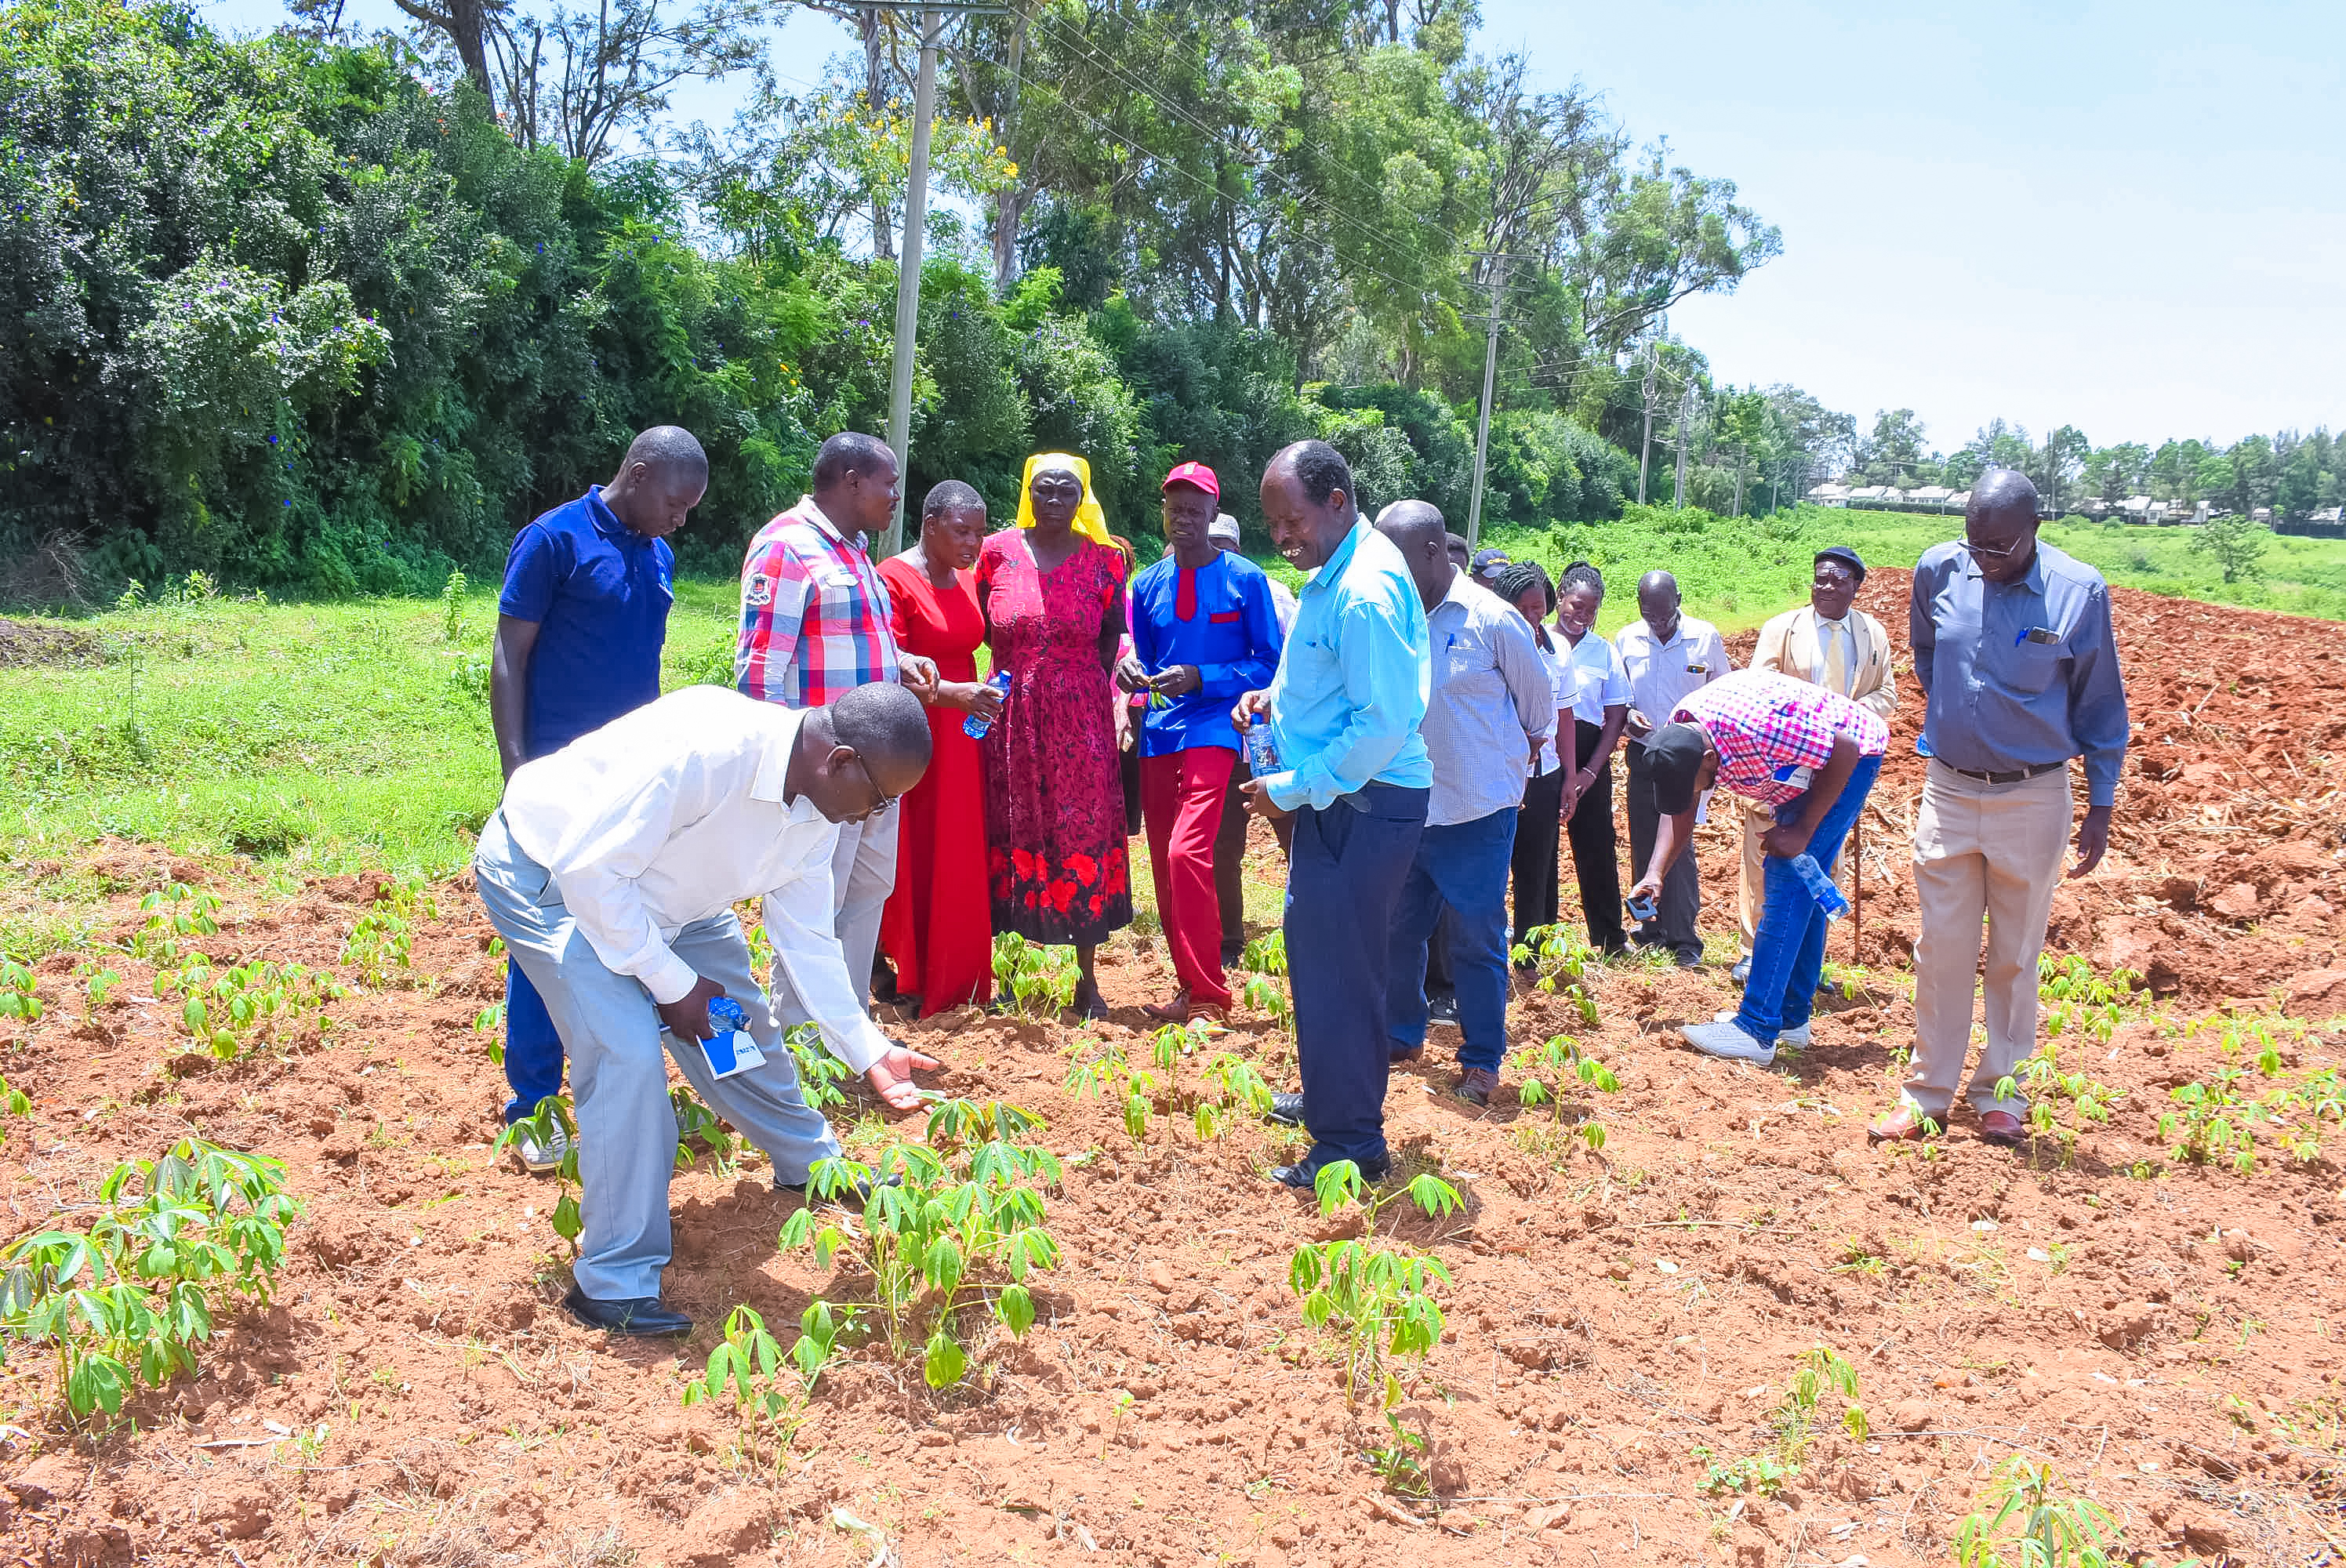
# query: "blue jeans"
[1343,882]
[618,1076]
[533,1047]
[1461,865]
[1788,952]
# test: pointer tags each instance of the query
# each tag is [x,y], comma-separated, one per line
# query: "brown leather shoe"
[2002,1129]
[1205,1013]
[1173,1010]
[1902,1126]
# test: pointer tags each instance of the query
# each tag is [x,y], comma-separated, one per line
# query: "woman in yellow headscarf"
[1053,591]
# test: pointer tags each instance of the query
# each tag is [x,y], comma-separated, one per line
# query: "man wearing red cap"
[1203,631]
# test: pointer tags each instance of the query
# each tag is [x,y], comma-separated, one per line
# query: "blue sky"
[2128,218]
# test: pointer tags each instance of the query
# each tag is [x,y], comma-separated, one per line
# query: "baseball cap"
[1674,760]
[1843,553]
[1224,530]
[1196,474]
[1488,557]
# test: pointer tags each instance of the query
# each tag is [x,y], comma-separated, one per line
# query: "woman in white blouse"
[1599,700]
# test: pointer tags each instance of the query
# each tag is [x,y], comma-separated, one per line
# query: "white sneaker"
[541,1158]
[1798,1039]
[1730,1043]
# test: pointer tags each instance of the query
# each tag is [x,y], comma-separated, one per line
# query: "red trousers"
[1181,800]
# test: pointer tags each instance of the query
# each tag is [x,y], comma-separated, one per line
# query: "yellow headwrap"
[1090,521]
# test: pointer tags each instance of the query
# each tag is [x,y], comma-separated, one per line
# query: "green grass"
[1737,572]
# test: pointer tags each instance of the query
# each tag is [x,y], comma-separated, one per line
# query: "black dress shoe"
[1287,1109]
[1305,1175]
[1741,972]
[640,1316]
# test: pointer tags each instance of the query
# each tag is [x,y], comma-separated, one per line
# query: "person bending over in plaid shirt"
[1806,753]
[814,627]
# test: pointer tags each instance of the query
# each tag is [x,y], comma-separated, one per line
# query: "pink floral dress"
[1056,871]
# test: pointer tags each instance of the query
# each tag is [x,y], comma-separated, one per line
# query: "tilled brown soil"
[2166,1336]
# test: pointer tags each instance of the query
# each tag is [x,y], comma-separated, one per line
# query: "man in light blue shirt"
[1344,709]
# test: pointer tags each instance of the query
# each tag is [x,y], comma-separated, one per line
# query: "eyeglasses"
[1991,553]
[885,799]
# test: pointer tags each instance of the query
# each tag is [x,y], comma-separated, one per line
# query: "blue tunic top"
[1219,618]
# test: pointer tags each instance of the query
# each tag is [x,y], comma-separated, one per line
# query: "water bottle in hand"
[1263,751]
[1820,886]
[976,726]
[734,1050]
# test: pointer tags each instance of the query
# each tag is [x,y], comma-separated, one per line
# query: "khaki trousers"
[1992,853]
[1751,897]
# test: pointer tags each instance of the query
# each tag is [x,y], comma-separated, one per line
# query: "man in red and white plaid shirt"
[1810,754]
[814,627]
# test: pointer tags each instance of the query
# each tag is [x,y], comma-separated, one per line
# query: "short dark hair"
[851,450]
[1581,574]
[1321,471]
[666,448]
[882,720]
[950,495]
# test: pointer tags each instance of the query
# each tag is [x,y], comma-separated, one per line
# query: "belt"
[2015,777]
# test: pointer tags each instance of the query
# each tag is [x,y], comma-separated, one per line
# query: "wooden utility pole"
[908,273]
[1646,447]
[1686,412]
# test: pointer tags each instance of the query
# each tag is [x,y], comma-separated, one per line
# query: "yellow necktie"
[1838,676]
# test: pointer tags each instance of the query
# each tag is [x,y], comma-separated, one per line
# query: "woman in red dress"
[1053,591]
[934,929]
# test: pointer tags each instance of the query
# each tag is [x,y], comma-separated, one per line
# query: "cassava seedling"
[2037,1524]
[1560,1060]
[1379,1297]
[550,1120]
[1036,979]
[747,1365]
[1561,959]
[961,1230]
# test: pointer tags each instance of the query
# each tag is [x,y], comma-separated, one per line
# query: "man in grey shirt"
[1490,712]
[2014,652]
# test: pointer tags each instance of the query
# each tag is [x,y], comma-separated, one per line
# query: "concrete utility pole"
[1646,447]
[1498,261]
[908,271]
[1686,414]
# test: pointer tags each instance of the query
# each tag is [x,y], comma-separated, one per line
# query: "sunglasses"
[1990,552]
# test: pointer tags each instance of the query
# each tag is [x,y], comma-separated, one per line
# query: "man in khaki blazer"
[1833,644]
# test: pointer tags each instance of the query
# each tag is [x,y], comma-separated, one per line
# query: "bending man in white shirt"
[612,870]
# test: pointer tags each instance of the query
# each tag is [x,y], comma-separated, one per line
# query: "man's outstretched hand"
[891,1078]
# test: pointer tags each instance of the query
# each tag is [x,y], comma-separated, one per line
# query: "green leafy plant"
[1265,954]
[696,1121]
[2077,999]
[171,917]
[452,607]
[1820,1372]
[1035,979]
[1760,1473]
[821,1073]
[176,1241]
[1104,1070]
[553,1116]
[380,945]
[98,986]
[2089,1099]
[2027,1519]
[747,1368]
[2211,1119]
[1561,959]
[1377,1296]
[960,1229]
[1562,1058]
[18,999]
[230,1009]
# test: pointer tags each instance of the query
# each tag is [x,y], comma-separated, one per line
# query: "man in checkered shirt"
[814,627]
[1809,755]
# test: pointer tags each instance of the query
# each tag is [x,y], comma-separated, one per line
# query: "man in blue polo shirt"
[579,629]
[1203,630]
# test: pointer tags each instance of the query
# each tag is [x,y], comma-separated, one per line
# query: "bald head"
[2000,524]
[1418,531]
[1657,603]
[661,480]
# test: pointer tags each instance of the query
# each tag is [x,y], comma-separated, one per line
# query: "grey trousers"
[862,875]
[619,1081]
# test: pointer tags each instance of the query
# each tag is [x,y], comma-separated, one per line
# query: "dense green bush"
[274,310]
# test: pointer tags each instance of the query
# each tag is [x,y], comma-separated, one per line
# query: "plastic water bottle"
[1820,886]
[1263,751]
[975,727]
[1922,745]
[736,1049]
